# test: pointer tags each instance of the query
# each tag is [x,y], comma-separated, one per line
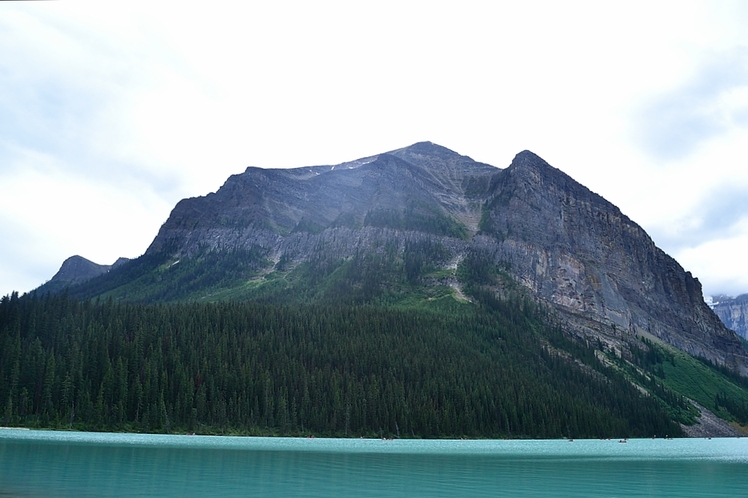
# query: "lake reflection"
[46,463]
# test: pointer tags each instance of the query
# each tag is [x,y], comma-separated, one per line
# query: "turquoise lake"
[62,464]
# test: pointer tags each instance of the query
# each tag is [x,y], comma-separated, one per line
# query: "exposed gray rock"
[709,425]
[77,269]
[576,250]
[733,312]
[567,245]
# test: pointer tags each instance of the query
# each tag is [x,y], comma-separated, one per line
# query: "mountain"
[437,213]
[416,289]
[424,189]
[733,311]
[75,270]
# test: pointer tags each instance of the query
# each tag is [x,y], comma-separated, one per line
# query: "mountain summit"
[427,218]
[425,181]
[77,269]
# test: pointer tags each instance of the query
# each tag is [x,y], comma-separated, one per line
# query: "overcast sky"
[110,114]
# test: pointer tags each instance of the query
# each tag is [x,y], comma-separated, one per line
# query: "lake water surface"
[66,464]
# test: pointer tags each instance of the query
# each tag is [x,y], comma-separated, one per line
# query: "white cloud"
[53,214]
[131,106]
[709,104]
[722,261]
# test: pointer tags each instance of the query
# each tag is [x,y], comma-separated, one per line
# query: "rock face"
[423,188]
[77,269]
[579,252]
[565,244]
[709,425]
[733,312]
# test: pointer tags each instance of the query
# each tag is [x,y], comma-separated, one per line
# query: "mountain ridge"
[77,269]
[733,311]
[564,244]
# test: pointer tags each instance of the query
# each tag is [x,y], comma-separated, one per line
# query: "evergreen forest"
[451,370]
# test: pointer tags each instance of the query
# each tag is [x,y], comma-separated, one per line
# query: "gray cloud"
[725,208]
[673,125]
[708,240]
[714,218]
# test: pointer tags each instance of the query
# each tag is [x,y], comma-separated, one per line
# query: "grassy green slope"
[725,395]
[673,377]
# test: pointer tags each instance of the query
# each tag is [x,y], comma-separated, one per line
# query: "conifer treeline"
[319,369]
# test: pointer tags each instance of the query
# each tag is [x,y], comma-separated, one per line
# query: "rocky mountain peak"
[426,149]
[429,155]
[567,246]
[77,268]
[530,168]
[529,158]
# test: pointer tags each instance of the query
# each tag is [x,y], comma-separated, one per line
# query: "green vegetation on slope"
[721,391]
[160,278]
[488,371]
[417,217]
[385,276]
[372,344]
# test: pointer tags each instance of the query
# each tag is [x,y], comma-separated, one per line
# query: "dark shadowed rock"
[75,270]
